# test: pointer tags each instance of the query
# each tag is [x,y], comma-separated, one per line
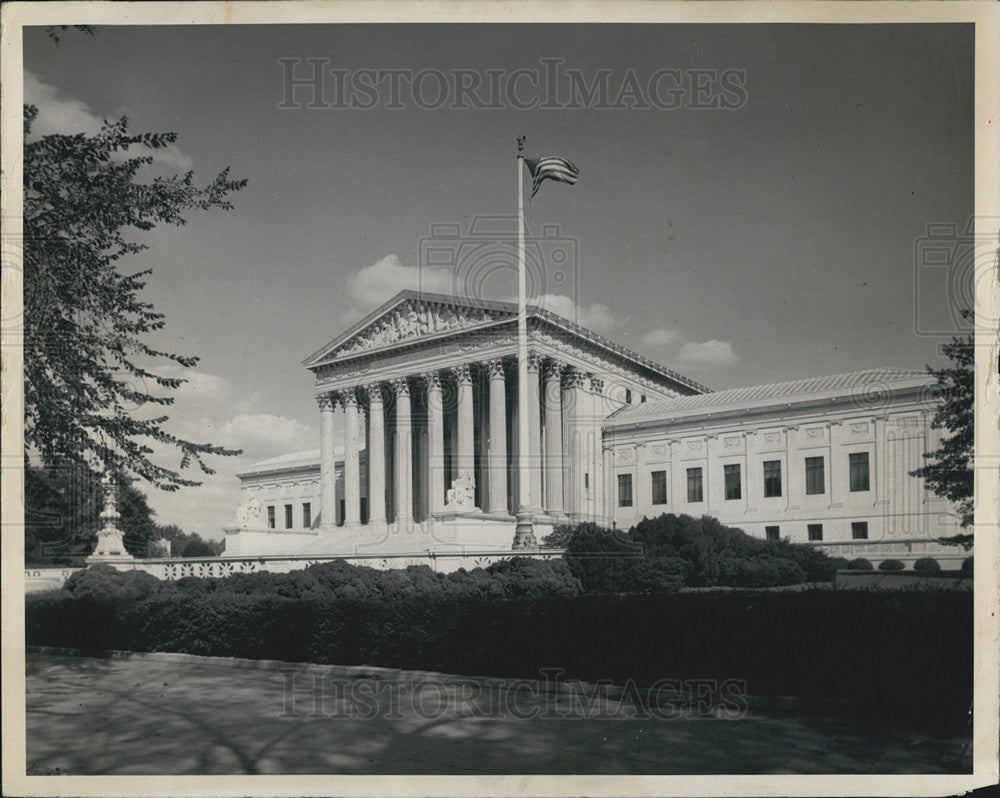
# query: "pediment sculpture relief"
[411,321]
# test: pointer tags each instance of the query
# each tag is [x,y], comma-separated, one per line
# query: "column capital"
[432,379]
[573,378]
[534,362]
[494,367]
[401,386]
[374,391]
[554,369]
[463,373]
[349,397]
[596,384]
[325,400]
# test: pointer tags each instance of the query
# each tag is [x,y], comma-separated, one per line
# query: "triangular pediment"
[410,315]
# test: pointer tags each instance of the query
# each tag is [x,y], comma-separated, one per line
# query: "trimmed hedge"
[927,565]
[892,565]
[869,646]
[860,564]
[670,551]
[967,566]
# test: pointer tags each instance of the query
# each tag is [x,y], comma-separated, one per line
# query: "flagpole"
[524,534]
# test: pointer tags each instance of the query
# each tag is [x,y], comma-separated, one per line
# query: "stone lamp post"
[110,544]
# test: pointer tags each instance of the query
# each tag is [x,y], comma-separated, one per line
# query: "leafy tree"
[194,545]
[949,472]
[136,521]
[54,31]
[87,366]
[61,510]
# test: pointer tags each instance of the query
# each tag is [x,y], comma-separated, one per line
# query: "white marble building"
[823,460]
[423,456]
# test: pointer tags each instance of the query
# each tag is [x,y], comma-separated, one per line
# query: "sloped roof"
[508,310]
[290,460]
[864,382]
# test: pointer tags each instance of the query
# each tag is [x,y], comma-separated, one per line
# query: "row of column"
[565,406]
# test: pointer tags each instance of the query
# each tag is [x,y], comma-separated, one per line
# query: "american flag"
[551,168]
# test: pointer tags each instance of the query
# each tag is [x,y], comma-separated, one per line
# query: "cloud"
[690,354]
[706,354]
[199,386]
[378,283]
[381,281]
[659,338]
[210,408]
[262,435]
[58,113]
[598,318]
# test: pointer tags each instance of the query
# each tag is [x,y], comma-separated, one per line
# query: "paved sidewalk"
[198,716]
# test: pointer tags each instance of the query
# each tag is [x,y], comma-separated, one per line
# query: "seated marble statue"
[462,493]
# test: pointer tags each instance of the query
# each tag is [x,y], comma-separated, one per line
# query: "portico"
[425,426]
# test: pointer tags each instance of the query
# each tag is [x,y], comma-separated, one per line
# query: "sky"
[752,203]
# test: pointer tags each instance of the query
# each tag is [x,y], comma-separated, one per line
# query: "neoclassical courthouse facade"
[419,423]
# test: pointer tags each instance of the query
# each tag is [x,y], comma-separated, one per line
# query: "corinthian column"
[498,438]
[553,440]
[597,457]
[574,398]
[533,501]
[376,455]
[404,453]
[465,431]
[328,463]
[352,470]
[435,442]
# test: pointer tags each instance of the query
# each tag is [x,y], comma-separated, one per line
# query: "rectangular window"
[628,396]
[586,480]
[734,488]
[859,530]
[659,491]
[288,516]
[624,490]
[815,531]
[772,478]
[270,516]
[859,471]
[815,479]
[307,516]
[772,532]
[694,485]
[642,398]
